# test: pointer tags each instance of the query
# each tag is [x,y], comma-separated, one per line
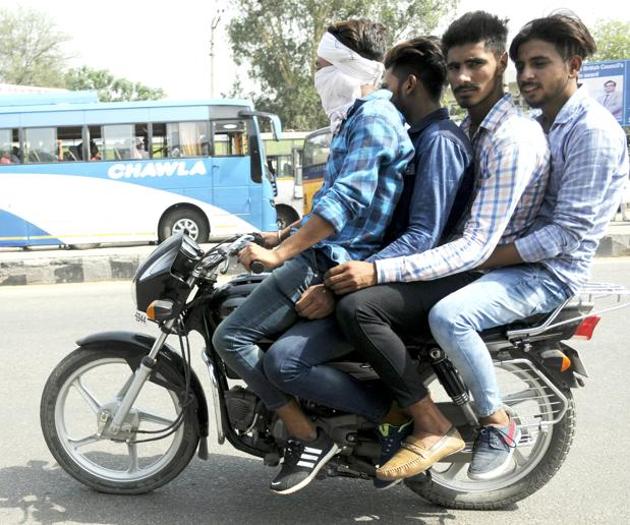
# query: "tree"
[30,49]
[613,40]
[109,88]
[278,40]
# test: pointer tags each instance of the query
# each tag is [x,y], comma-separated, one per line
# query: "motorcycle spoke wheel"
[542,446]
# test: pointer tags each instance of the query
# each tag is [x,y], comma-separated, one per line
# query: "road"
[39,325]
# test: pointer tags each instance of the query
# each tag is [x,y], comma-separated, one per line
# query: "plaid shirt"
[364,178]
[511,172]
[589,169]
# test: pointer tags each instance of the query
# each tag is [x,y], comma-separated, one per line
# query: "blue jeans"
[295,364]
[268,311]
[499,297]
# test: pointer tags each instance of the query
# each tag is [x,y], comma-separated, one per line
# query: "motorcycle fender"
[576,363]
[169,369]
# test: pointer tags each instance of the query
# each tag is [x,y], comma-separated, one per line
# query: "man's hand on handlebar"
[253,252]
[350,276]
[316,303]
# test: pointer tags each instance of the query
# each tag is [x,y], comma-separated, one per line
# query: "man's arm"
[504,177]
[313,231]
[590,167]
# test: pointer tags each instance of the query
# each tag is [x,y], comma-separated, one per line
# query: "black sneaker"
[302,462]
[493,450]
[390,437]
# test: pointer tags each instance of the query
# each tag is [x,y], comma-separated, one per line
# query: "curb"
[56,266]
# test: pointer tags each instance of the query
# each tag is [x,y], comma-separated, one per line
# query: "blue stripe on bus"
[18,232]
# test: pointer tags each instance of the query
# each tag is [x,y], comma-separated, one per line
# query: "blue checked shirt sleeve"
[370,144]
[503,179]
[438,173]
[584,183]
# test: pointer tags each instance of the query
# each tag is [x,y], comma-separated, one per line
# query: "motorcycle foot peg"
[271,459]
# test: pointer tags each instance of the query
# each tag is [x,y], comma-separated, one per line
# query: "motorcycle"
[124,413]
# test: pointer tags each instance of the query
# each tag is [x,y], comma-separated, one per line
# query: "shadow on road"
[225,489]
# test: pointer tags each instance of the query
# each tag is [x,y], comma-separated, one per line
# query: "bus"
[316,149]
[75,171]
[284,161]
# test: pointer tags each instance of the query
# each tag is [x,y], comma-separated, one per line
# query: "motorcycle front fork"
[453,384]
[140,377]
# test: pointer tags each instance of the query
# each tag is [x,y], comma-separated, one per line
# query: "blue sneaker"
[390,437]
[493,451]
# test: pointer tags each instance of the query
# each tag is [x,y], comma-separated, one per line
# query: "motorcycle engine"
[242,408]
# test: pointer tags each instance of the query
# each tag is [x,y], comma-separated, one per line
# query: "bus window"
[230,138]
[180,139]
[118,142]
[40,145]
[69,143]
[9,146]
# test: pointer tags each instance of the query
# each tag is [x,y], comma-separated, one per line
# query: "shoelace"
[487,433]
[292,452]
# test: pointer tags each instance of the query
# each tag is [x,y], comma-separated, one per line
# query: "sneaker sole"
[311,476]
[390,485]
[501,469]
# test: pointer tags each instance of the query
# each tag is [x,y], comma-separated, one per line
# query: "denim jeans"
[295,363]
[498,298]
[268,311]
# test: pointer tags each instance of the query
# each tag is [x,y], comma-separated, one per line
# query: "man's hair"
[423,58]
[610,82]
[367,38]
[474,27]
[565,32]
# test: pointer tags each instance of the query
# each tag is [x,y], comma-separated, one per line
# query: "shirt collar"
[571,107]
[434,116]
[495,116]
[383,94]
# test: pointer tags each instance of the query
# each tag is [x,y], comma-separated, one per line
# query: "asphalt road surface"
[39,325]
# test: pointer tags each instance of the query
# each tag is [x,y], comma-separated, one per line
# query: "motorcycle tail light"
[587,327]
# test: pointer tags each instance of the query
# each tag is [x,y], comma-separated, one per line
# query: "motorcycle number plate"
[141,317]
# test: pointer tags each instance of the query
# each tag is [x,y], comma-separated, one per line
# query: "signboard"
[609,83]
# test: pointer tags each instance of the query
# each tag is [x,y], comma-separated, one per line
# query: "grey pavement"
[60,266]
[39,325]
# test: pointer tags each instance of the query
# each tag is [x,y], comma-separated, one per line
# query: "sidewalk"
[57,265]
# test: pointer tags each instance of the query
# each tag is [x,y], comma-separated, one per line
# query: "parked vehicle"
[124,413]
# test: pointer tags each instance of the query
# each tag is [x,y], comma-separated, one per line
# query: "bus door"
[234,191]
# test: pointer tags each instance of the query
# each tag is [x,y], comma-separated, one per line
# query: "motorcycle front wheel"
[541,451]
[82,393]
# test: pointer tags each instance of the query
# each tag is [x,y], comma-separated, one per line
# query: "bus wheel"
[285,215]
[184,219]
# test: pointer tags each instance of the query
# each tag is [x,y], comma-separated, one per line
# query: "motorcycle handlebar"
[257,267]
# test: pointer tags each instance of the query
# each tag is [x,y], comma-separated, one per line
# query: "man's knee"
[445,318]
[224,339]
[354,309]
[281,367]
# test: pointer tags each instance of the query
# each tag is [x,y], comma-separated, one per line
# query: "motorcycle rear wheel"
[80,389]
[448,484]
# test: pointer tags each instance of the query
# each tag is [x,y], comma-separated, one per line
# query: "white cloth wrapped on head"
[349,62]
[339,85]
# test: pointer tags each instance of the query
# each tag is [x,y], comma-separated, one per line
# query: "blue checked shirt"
[511,173]
[364,178]
[589,169]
